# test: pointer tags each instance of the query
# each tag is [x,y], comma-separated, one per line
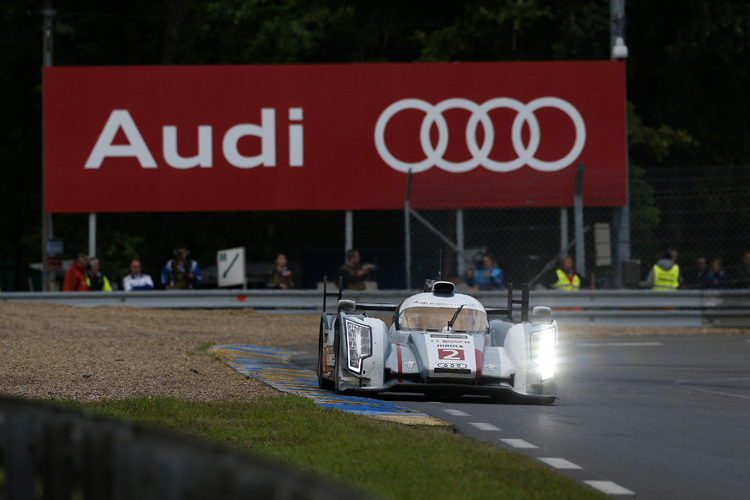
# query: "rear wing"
[508,311]
[358,306]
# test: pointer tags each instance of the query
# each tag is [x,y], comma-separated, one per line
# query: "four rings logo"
[480,154]
[452,365]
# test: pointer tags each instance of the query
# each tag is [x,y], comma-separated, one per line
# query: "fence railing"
[684,308]
[48,452]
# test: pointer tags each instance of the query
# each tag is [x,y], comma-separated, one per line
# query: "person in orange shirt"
[75,276]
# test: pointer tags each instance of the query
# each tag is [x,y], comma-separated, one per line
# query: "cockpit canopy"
[437,318]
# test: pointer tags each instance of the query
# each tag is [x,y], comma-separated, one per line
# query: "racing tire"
[337,364]
[323,383]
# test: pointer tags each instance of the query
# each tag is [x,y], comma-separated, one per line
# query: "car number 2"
[454,354]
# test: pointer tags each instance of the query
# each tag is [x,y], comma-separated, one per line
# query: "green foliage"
[360,451]
[654,144]
[117,251]
[485,30]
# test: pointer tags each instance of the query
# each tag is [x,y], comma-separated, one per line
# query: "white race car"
[439,342]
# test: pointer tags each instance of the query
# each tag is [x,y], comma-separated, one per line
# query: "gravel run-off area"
[95,353]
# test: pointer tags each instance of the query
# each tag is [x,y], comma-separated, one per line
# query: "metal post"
[461,264]
[622,214]
[578,216]
[407,232]
[92,234]
[349,231]
[563,229]
[48,278]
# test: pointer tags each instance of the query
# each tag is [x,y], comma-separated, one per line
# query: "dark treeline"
[688,75]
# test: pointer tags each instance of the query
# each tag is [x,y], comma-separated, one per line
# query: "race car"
[439,342]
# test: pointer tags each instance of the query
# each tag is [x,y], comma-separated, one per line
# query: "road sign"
[230,266]
[54,264]
[55,247]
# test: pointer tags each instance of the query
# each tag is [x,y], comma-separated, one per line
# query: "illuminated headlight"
[358,344]
[543,347]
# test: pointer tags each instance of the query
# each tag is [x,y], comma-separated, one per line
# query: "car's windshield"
[436,318]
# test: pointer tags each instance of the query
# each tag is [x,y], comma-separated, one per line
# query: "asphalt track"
[659,417]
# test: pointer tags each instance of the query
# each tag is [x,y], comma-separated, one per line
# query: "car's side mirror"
[347,305]
[541,314]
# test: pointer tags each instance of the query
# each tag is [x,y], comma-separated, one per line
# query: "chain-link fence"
[701,212]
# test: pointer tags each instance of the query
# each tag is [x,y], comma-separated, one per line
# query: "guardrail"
[684,308]
[48,452]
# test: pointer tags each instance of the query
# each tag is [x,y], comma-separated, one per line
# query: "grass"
[204,350]
[388,459]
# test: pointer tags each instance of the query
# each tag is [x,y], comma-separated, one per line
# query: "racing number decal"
[451,356]
[454,354]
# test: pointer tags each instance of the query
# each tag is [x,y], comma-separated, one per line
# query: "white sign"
[603,244]
[230,267]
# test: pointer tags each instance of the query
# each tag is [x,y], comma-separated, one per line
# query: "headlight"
[543,351]
[358,344]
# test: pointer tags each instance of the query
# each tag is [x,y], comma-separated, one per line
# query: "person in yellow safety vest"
[665,275]
[95,280]
[566,277]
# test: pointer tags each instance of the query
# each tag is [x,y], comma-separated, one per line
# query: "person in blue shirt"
[716,278]
[181,272]
[488,277]
[137,280]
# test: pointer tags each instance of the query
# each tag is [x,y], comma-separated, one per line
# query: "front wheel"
[337,364]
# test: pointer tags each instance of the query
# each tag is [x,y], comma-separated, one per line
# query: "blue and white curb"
[271,365]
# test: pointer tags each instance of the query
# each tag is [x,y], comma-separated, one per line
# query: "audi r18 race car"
[439,342]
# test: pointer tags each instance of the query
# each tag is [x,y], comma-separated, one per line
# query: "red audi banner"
[333,137]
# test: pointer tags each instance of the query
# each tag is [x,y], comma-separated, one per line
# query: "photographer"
[488,277]
[280,276]
[352,273]
[181,272]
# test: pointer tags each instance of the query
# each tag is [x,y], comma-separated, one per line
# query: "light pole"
[619,52]
[48,280]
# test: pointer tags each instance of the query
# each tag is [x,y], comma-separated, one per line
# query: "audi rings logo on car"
[480,154]
[452,365]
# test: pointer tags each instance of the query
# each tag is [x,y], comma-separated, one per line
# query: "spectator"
[565,277]
[352,273]
[75,276]
[488,277]
[181,272]
[716,278]
[694,279]
[742,273]
[136,280]
[454,278]
[95,280]
[665,275]
[279,276]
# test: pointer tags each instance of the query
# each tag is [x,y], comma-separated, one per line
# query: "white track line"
[621,344]
[560,463]
[686,383]
[518,443]
[482,426]
[609,488]
[456,413]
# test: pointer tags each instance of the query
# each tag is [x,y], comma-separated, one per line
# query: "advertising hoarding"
[333,137]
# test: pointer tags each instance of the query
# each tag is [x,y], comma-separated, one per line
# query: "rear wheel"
[323,383]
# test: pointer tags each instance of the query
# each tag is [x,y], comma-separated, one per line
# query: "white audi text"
[136,147]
